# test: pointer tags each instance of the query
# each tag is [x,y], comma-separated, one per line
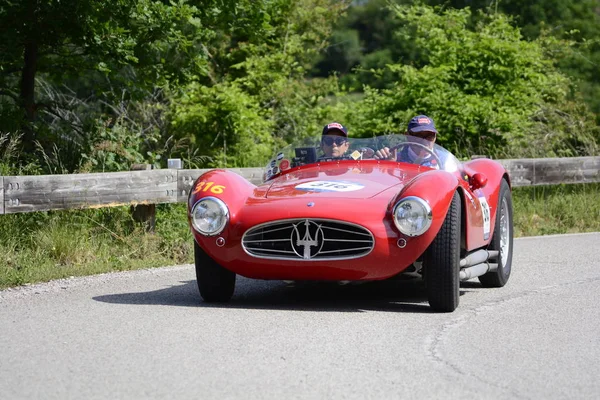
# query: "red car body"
[364,194]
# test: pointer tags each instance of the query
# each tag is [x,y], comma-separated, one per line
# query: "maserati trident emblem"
[307,239]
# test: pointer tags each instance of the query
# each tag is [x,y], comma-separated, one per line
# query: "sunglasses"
[338,140]
[430,136]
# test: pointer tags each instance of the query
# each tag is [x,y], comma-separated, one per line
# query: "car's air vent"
[308,239]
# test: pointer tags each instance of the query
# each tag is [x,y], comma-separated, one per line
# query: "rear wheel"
[502,240]
[216,284]
[442,260]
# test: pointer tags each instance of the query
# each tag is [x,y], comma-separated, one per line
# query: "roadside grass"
[41,246]
[546,210]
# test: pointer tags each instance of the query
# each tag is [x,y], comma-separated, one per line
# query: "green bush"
[489,91]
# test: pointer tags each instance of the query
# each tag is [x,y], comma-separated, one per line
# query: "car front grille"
[308,239]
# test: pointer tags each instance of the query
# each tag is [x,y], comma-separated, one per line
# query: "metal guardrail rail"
[19,194]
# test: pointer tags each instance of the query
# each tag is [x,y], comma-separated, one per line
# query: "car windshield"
[332,149]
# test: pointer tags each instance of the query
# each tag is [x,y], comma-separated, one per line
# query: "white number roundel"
[485,210]
[329,186]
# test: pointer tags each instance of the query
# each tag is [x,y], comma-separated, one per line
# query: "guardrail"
[19,194]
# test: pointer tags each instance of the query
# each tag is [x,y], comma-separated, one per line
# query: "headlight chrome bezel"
[426,213]
[224,212]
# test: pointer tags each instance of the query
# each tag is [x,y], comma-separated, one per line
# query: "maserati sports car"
[356,218]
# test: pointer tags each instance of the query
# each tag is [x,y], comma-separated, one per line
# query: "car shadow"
[389,295]
[473,284]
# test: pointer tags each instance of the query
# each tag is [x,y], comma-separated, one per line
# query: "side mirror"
[477,181]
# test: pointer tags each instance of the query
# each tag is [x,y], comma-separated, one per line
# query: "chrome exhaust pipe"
[478,257]
[477,270]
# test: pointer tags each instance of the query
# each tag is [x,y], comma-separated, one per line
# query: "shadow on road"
[393,296]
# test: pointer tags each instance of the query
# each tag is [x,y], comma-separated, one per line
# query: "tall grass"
[545,210]
[49,245]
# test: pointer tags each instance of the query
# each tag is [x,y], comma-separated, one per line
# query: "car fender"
[223,184]
[231,188]
[494,172]
[437,189]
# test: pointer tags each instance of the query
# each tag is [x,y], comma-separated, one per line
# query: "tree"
[259,97]
[577,20]
[67,38]
[488,90]
[574,20]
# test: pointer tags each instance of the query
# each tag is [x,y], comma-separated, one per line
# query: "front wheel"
[216,284]
[442,262]
[502,240]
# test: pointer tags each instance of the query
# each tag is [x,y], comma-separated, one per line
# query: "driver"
[420,130]
[334,140]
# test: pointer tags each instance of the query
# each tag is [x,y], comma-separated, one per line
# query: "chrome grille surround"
[308,239]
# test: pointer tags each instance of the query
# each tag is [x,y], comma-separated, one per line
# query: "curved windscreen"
[325,149]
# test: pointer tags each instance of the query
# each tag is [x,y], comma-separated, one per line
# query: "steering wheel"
[419,160]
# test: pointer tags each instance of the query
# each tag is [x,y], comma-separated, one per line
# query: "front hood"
[346,179]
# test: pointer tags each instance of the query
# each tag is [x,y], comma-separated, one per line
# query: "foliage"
[160,38]
[483,86]
[10,156]
[97,61]
[223,84]
[568,131]
[239,134]
[133,132]
[575,20]
[8,152]
[137,44]
[263,98]
[343,53]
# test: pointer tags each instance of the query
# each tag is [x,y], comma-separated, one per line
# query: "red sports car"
[356,218]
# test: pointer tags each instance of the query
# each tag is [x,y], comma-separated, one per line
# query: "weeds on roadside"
[48,245]
[544,210]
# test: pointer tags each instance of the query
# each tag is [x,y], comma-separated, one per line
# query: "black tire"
[503,231]
[216,284]
[442,262]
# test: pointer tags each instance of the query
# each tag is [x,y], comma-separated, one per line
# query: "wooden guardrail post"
[144,213]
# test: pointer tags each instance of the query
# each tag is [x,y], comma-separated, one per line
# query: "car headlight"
[412,216]
[209,216]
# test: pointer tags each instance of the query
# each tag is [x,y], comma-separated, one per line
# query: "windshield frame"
[309,151]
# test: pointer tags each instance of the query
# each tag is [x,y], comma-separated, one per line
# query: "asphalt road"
[145,334]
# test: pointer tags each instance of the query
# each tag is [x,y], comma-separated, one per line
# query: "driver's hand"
[384,154]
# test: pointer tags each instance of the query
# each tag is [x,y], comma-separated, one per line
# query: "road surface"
[146,334]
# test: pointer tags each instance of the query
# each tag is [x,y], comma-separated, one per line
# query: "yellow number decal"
[217,189]
[205,186]
[198,187]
